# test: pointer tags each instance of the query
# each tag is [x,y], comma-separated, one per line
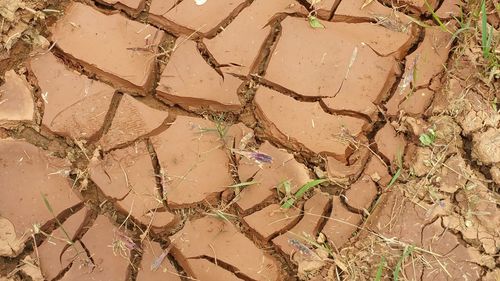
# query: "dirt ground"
[249,140]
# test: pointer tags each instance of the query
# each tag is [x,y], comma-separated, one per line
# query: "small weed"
[427,139]
[314,22]
[49,207]
[306,187]
[436,18]
[222,215]
[243,184]
[406,252]
[486,36]
[399,171]
[380,269]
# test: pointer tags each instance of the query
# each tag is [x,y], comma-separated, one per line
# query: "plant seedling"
[406,252]
[427,139]
[398,172]
[380,269]
[306,187]
[314,22]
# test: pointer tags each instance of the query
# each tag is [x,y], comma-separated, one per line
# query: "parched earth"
[160,139]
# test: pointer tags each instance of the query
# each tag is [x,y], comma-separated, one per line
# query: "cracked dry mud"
[158,140]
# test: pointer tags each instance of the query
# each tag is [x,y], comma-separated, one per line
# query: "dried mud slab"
[449,9]
[194,164]
[415,90]
[356,11]
[307,228]
[377,170]
[486,146]
[342,172]
[272,220]
[106,259]
[230,47]
[75,106]
[131,121]
[390,144]
[29,177]
[127,175]
[361,194]
[342,63]
[153,267]
[217,240]
[16,101]
[115,48]
[304,125]
[189,81]
[206,18]
[206,270]
[341,224]
[50,252]
[268,176]
[161,7]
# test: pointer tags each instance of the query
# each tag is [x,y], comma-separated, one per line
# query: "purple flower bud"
[261,157]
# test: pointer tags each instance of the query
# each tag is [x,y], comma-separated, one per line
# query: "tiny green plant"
[486,36]
[436,18]
[380,269]
[427,139]
[306,187]
[242,185]
[399,171]
[406,252]
[49,207]
[314,22]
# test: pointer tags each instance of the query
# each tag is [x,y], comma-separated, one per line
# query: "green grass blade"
[243,184]
[380,269]
[289,203]
[394,178]
[436,17]
[407,251]
[484,30]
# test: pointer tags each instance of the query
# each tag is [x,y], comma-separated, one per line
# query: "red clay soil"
[167,140]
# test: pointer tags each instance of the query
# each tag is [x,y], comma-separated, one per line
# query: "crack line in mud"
[226,266]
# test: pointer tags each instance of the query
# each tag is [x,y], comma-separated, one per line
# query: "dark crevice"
[159,174]
[108,119]
[334,8]
[226,266]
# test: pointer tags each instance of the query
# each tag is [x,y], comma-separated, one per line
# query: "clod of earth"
[16,102]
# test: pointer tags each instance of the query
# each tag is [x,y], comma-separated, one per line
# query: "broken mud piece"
[155,265]
[133,7]
[269,176]
[304,126]
[421,163]
[418,6]
[193,160]
[361,194]
[454,174]
[342,173]
[206,18]
[108,254]
[341,224]
[334,70]
[241,53]
[60,241]
[476,114]
[307,228]
[127,175]
[35,187]
[190,82]
[486,146]
[376,169]
[132,120]
[449,9]
[422,66]
[390,144]
[272,220]
[75,106]
[16,101]
[219,241]
[116,49]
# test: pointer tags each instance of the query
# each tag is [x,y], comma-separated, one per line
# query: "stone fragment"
[31,179]
[269,176]
[194,164]
[216,239]
[108,258]
[132,120]
[361,194]
[193,84]
[308,227]
[341,224]
[242,52]
[118,50]
[206,18]
[154,267]
[16,102]
[304,125]
[272,220]
[75,106]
